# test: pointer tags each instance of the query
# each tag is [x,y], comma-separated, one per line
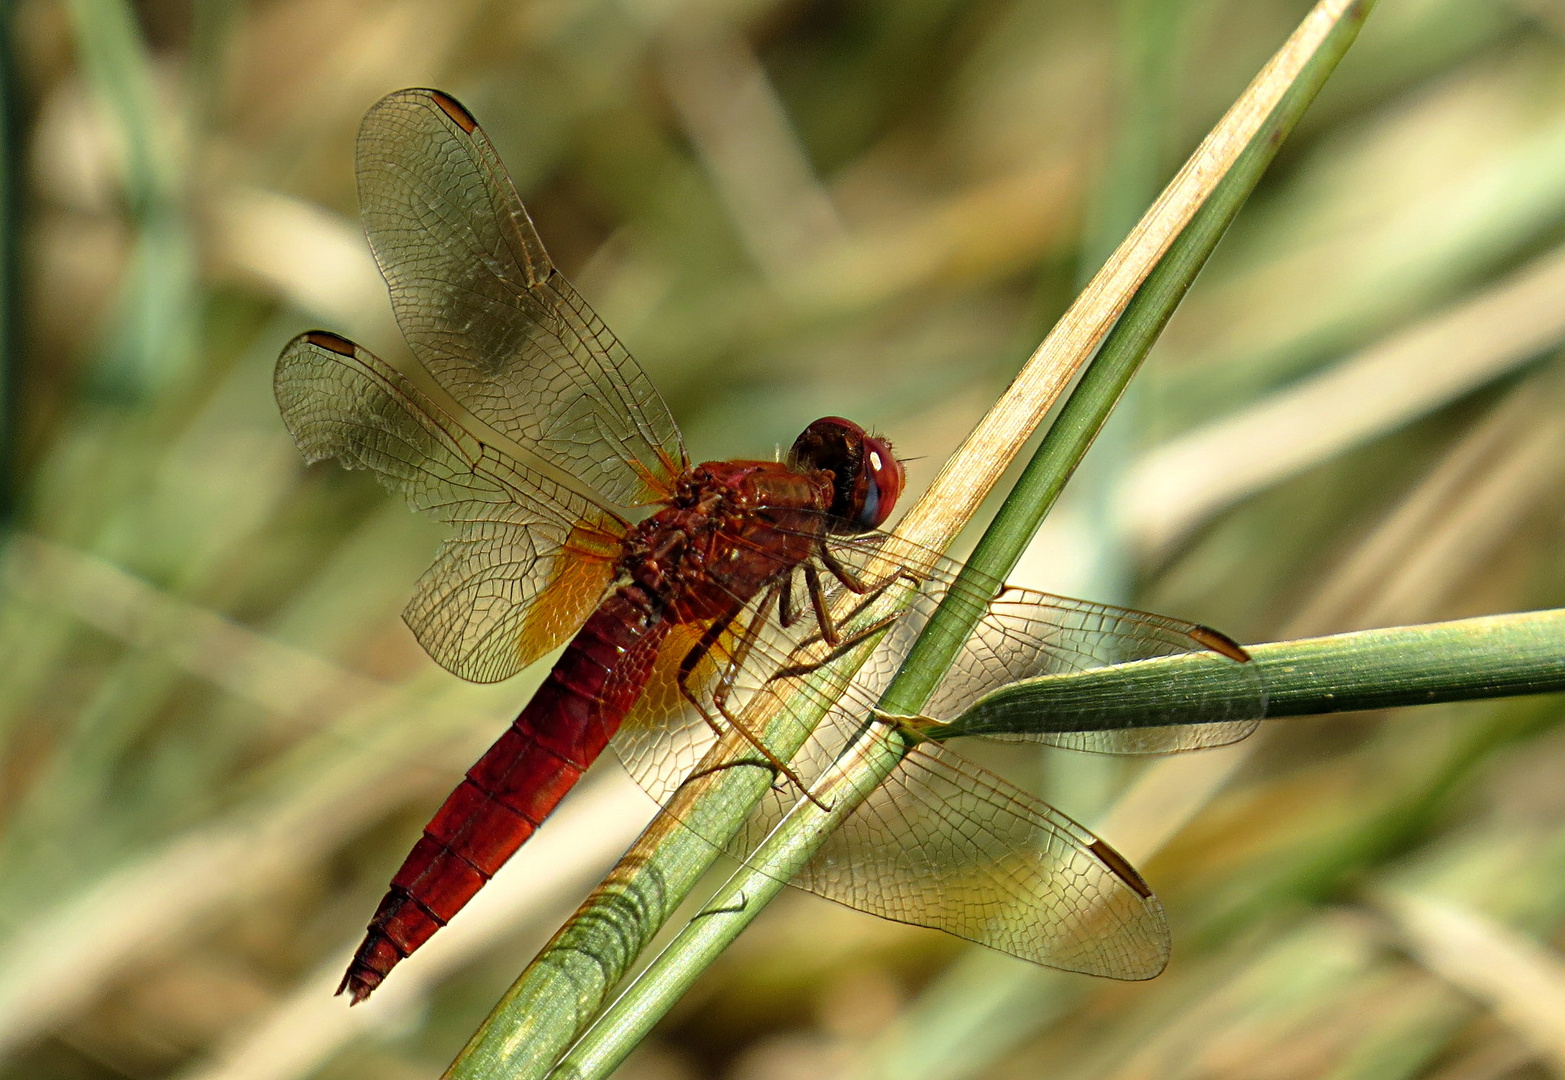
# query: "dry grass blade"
[316,259]
[1460,516]
[136,911]
[64,959]
[743,134]
[1521,980]
[1418,370]
[1444,509]
[291,682]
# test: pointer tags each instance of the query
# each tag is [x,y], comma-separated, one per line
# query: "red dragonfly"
[684,591]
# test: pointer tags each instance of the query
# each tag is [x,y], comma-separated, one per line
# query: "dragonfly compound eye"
[866,476]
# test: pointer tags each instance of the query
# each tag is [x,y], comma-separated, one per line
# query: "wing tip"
[455,110]
[1220,642]
[1120,867]
[325,339]
[1145,974]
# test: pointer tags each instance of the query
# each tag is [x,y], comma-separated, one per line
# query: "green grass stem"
[1489,657]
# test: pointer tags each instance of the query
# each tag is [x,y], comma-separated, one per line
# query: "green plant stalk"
[795,839]
[152,345]
[10,262]
[1489,657]
[1100,388]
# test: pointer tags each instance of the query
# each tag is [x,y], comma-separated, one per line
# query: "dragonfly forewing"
[485,311]
[526,560]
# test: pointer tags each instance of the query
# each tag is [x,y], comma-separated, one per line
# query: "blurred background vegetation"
[218,739]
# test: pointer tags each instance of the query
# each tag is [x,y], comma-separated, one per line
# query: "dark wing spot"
[1220,642]
[1120,868]
[325,339]
[453,108]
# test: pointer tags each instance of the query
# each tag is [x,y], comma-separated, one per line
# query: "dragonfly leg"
[812,582]
[720,693]
[851,580]
[830,634]
[841,572]
[693,658]
[742,650]
[868,598]
[868,591]
[785,611]
[843,646]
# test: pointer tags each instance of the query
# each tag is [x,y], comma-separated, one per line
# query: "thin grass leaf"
[1390,384]
[1493,656]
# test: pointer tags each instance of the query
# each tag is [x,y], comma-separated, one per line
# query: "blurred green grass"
[219,740]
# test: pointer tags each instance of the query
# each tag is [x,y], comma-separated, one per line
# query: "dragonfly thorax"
[731,528]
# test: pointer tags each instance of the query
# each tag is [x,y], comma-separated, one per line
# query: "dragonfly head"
[866,476]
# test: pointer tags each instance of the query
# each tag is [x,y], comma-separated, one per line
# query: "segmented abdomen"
[516,784]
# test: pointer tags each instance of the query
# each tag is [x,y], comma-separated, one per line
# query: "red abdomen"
[516,784]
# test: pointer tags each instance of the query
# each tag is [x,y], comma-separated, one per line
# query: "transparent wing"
[527,560]
[1025,634]
[944,844]
[664,737]
[487,313]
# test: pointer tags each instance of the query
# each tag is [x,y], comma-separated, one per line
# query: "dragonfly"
[685,594]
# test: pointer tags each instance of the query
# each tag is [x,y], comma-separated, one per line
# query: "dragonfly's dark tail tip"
[357,984]
[375,958]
